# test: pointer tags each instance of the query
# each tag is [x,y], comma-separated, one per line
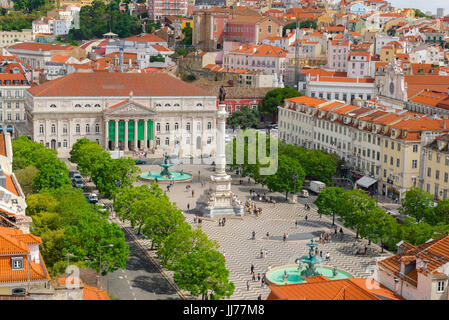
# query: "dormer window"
[17,263]
[97,105]
[77,106]
[393,133]
[53,106]
[167,105]
[87,105]
[158,105]
[176,105]
[199,105]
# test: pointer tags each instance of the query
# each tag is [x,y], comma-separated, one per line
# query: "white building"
[171,115]
[417,273]
[337,55]
[359,65]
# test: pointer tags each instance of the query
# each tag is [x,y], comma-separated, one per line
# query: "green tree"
[417,203]
[440,214]
[378,226]
[245,118]
[187,31]
[202,271]
[327,201]
[275,98]
[38,202]
[26,177]
[353,208]
[288,178]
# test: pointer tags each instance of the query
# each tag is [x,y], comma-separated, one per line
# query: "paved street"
[141,280]
[240,251]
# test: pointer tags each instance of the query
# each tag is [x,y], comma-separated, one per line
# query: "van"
[93,198]
[304,193]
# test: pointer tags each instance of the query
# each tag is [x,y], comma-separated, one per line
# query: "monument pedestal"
[219,200]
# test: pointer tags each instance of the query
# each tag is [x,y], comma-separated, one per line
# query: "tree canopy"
[245,118]
[275,98]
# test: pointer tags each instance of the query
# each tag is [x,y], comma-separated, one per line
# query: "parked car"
[141,161]
[100,207]
[92,198]
[78,184]
[304,193]
[72,173]
[77,176]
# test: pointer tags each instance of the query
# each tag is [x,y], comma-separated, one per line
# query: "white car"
[93,198]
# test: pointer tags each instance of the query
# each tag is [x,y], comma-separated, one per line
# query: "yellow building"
[435,175]
[389,51]
[180,23]
[402,149]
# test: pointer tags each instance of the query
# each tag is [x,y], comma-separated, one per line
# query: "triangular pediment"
[129,107]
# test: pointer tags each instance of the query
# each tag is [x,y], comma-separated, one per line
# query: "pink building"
[159,9]
[359,64]
[264,58]
[337,55]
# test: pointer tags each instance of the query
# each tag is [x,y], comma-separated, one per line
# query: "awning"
[366,182]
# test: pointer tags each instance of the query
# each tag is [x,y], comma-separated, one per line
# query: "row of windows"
[65,130]
[9,104]
[437,174]
[167,141]
[9,117]
[167,126]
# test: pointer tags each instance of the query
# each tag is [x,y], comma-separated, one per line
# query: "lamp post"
[99,274]
[294,178]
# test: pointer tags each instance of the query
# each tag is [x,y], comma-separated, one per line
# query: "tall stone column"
[126,135]
[145,135]
[221,127]
[106,135]
[116,135]
[136,136]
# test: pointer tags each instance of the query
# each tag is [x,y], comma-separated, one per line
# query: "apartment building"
[436,167]
[159,9]
[385,145]
[337,55]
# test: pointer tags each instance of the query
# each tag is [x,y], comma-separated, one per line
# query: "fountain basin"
[276,275]
[175,175]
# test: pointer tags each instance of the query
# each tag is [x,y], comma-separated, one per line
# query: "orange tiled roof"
[34,46]
[429,97]
[263,50]
[92,293]
[331,105]
[343,289]
[147,37]
[117,85]
[2,145]
[419,124]
[308,101]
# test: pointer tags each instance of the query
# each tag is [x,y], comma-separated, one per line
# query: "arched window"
[77,106]
[188,126]
[87,105]
[158,105]
[167,105]
[53,128]
[41,128]
[158,141]
[87,128]
[167,141]
[53,106]
[209,140]
[199,105]
[97,128]
[158,127]
[64,143]
[176,105]
[78,128]
[97,105]
[176,126]
[167,127]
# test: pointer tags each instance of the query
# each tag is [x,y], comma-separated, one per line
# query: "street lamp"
[105,246]
[295,178]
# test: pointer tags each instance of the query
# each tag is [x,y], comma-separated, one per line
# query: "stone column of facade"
[136,136]
[145,135]
[126,135]
[106,134]
[116,135]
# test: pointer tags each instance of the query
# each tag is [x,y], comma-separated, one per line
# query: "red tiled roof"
[147,37]
[116,85]
[34,46]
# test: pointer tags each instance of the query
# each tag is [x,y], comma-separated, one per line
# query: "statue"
[222,94]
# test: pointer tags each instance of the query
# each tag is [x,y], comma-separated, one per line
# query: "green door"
[131,131]
[121,131]
[141,130]
[150,130]
[111,128]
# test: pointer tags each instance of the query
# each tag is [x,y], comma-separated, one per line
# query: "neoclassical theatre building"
[155,113]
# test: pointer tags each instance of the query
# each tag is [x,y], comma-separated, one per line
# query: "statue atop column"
[222,94]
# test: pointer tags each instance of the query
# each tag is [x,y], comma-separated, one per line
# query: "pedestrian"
[366,248]
[193,193]
[249,181]
[219,222]
[328,256]
[259,297]
[335,231]
[252,268]
[296,224]
[261,254]
[266,253]
[283,237]
[194,219]
[286,236]
[321,253]
[254,277]
[263,282]
[254,235]
[188,206]
[268,235]
[258,277]
[224,221]
[305,217]
[247,285]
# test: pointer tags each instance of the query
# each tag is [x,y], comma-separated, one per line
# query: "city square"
[240,250]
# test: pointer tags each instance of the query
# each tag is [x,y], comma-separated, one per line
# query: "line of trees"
[109,175]
[358,211]
[61,216]
[283,169]
[197,265]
